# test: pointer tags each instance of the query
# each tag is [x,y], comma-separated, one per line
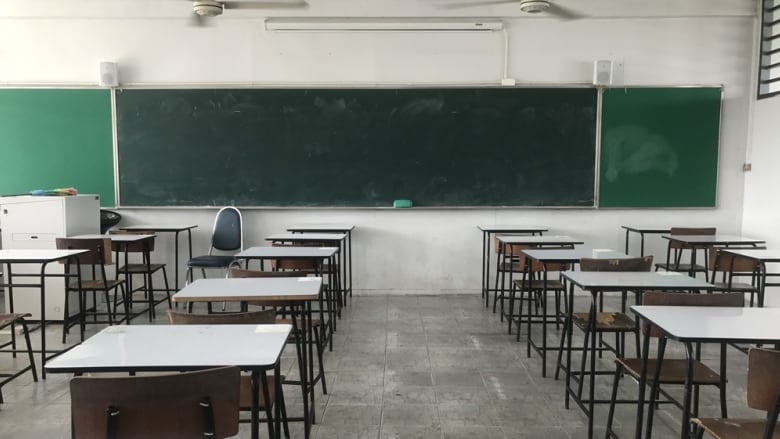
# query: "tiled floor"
[410,367]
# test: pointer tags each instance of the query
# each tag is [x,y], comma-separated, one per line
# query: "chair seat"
[511,266]
[140,268]
[315,323]
[211,261]
[538,284]
[605,321]
[681,267]
[245,392]
[7,319]
[734,428]
[96,284]
[735,286]
[673,371]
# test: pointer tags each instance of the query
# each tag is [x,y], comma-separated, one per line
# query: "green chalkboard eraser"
[402,204]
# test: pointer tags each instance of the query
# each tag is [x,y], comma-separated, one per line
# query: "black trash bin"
[108,219]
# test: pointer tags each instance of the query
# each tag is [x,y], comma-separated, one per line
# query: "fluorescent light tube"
[379,24]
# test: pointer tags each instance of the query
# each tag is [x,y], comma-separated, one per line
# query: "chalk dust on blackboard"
[634,150]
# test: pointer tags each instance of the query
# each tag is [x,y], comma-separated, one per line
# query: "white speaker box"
[109,76]
[602,72]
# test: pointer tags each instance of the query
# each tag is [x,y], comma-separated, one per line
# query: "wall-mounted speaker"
[602,72]
[109,75]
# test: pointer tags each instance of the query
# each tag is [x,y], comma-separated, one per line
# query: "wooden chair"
[7,320]
[97,258]
[144,268]
[532,283]
[675,251]
[673,370]
[175,406]
[763,393]
[616,322]
[727,267]
[265,317]
[314,267]
[316,323]
[517,264]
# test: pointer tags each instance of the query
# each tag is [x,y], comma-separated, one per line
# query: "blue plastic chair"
[227,236]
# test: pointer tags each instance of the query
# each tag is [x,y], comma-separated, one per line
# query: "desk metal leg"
[300,347]
[486,258]
[627,231]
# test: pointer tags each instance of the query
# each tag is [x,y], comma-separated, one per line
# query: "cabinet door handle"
[33,237]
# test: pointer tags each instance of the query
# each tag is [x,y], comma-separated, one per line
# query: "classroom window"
[769,52]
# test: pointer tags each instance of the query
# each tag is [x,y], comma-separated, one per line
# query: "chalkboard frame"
[677,169]
[123,198]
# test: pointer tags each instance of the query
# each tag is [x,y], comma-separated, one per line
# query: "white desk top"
[713,239]
[246,289]
[174,347]
[115,237]
[161,227]
[640,280]
[572,254]
[322,228]
[715,324]
[493,228]
[757,255]
[306,237]
[648,229]
[538,240]
[288,251]
[37,255]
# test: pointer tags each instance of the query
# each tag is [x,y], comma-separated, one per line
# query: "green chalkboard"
[357,146]
[659,147]
[51,138]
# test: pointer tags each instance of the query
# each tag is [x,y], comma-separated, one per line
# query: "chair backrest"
[133,247]
[227,234]
[664,298]
[644,263]
[159,406]
[242,273]
[763,381]
[108,219]
[265,317]
[99,249]
[722,262]
[295,263]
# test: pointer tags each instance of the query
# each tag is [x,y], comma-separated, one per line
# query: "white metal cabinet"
[35,222]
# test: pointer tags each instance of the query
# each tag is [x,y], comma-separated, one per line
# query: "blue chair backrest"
[227,230]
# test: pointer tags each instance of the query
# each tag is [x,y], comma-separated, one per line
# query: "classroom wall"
[410,251]
[762,212]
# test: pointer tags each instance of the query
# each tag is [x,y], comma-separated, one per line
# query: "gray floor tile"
[414,367]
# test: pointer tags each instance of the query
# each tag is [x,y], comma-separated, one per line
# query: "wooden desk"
[597,282]
[298,291]
[532,241]
[704,241]
[317,254]
[642,231]
[169,228]
[557,257]
[329,239]
[487,232]
[41,257]
[699,324]
[763,257]
[333,228]
[156,348]
[124,240]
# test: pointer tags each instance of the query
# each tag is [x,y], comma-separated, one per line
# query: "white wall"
[51,42]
